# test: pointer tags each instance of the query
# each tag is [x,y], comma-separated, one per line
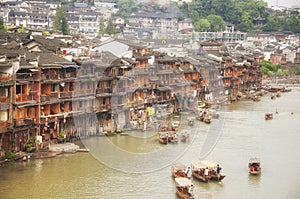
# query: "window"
[53,88]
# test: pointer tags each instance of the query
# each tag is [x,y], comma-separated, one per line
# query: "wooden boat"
[165,137]
[163,127]
[207,119]
[178,169]
[254,166]
[198,171]
[278,94]
[175,125]
[273,96]
[201,115]
[185,136]
[269,116]
[256,98]
[286,89]
[182,188]
[191,121]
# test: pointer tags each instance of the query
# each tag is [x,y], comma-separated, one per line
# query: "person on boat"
[167,136]
[190,192]
[218,170]
[187,171]
[206,172]
[175,137]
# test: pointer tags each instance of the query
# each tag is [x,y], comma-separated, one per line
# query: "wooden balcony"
[5,126]
[4,105]
[103,108]
[24,121]
[50,77]
[66,94]
[26,98]
[103,90]
[4,99]
[5,77]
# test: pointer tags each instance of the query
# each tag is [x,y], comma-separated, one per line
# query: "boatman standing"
[218,170]
[191,191]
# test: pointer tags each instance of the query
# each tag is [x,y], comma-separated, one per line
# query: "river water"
[241,132]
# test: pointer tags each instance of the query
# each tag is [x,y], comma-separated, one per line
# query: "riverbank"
[52,151]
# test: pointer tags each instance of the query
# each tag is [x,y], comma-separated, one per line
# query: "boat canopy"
[254,160]
[183,182]
[203,164]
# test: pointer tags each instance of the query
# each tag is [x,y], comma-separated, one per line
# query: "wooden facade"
[58,96]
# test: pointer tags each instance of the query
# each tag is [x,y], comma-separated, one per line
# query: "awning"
[183,182]
[34,69]
[164,88]
[71,66]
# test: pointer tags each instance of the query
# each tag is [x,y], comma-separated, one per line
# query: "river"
[241,132]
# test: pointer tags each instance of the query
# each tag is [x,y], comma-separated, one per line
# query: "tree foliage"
[270,69]
[126,7]
[216,23]
[60,21]
[110,28]
[2,27]
[241,13]
[101,27]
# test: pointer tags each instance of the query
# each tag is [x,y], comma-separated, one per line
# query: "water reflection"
[254,180]
[245,134]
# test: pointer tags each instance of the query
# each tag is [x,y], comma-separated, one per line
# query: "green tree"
[110,29]
[270,69]
[293,24]
[60,21]
[101,27]
[216,22]
[2,27]
[246,24]
[21,30]
[204,25]
[126,7]
[298,70]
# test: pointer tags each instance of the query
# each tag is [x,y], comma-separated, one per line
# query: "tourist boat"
[254,166]
[185,136]
[273,96]
[286,89]
[163,127]
[207,119]
[201,114]
[162,138]
[198,169]
[182,188]
[165,137]
[175,125]
[191,121]
[274,89]
[278,94]
[178,169]
[256,98]
[269,116]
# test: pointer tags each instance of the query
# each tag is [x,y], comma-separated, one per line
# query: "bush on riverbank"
[9,155]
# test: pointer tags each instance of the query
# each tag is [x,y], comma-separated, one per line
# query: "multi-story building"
[45,96]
